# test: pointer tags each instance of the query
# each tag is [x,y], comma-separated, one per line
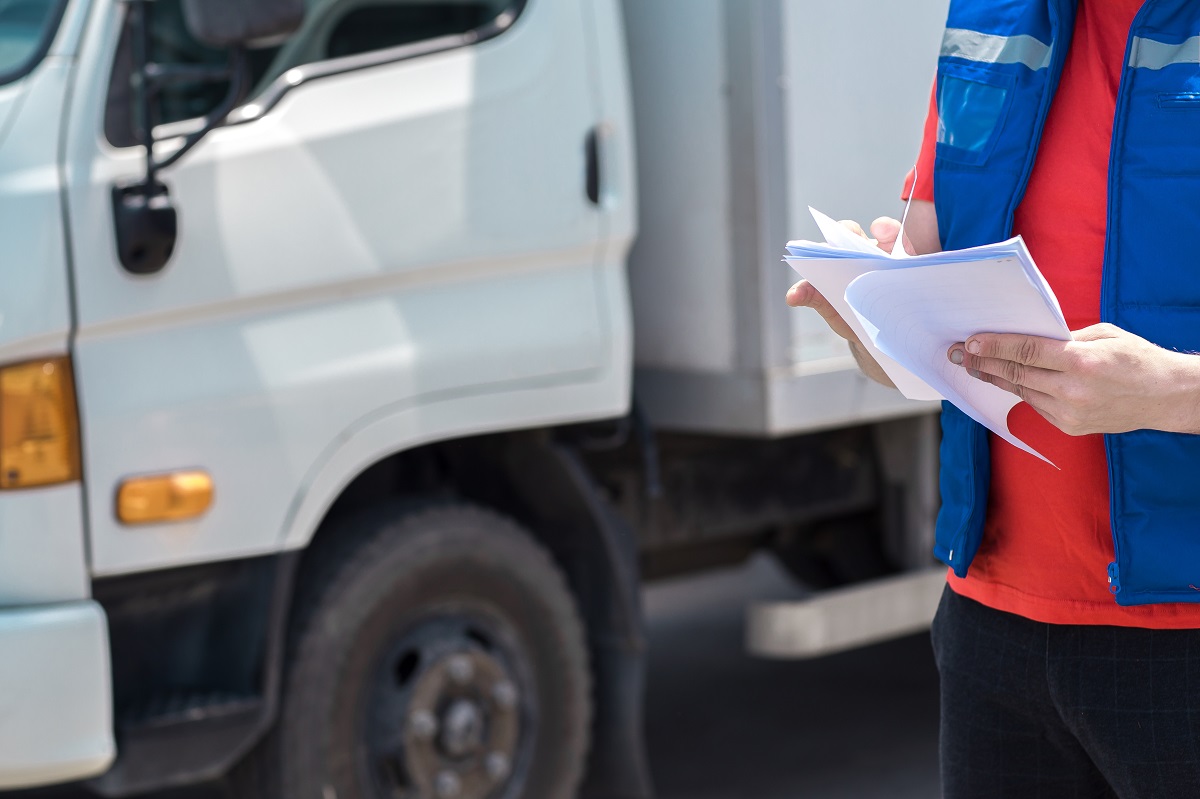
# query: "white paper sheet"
[983,296]
[909,310]
[832,277]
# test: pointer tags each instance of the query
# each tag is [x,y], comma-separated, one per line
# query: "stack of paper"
[909,310]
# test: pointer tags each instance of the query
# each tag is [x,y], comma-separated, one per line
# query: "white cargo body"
[806,103]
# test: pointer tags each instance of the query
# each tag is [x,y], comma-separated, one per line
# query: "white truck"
[353,379]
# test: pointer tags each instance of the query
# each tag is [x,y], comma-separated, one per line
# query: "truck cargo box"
[747,112]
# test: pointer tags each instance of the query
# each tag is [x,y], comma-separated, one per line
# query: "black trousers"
[1044,711]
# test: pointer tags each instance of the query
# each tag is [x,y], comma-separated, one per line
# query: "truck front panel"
[56,723]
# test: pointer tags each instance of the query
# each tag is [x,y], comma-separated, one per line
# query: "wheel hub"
[461,727]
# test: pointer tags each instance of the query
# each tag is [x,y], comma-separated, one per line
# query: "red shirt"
[1047,541]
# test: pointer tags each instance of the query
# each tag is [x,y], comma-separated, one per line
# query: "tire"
[435,654]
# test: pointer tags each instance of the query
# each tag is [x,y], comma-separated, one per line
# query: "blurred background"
[398,401]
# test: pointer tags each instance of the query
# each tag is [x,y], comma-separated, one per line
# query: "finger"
[857,230]
[805,295]
[1053,411]
[832,318]
[886,229]
[1041,401]
[998,382]
[1046,353]
[800,294]
[1044,380]
[853,227]
[1046,408]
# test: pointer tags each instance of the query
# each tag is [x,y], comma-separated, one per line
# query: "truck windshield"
[26,29]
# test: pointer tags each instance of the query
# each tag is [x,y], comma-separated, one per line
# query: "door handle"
[592,176]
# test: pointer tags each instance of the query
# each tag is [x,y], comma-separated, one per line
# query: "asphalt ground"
[724,725]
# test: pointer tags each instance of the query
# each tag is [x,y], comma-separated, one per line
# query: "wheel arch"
[527,475]
[430,423]
[541,482]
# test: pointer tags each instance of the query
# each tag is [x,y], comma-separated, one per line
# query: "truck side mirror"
[243,23]
[144,216]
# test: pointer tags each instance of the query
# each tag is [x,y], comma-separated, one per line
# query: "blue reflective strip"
[988,48]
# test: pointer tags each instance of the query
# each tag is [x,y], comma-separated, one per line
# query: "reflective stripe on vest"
[988,48]
[1150,54]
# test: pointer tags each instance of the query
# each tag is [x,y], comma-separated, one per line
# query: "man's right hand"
[804,294]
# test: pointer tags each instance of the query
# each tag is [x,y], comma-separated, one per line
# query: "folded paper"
[909,310]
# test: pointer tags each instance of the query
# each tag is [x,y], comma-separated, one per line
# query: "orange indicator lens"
[164,497]
[39,428]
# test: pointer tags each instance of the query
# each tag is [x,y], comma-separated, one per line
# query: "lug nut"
[497,765]
[448,785]
[460,669]
[422,724]
[505,694]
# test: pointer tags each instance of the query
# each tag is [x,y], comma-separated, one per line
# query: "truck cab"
[391,242]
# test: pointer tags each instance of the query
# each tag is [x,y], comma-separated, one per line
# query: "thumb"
[886,229]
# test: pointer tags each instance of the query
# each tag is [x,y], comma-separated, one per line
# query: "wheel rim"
[450,713]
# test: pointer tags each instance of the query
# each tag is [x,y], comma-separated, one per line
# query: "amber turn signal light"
[169,497]
[39,425]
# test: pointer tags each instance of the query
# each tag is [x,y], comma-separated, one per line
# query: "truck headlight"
[39,424]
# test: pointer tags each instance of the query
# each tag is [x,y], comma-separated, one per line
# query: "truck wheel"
[437,654]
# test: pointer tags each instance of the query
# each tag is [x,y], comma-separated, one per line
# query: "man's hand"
[1105,381]
[803,294]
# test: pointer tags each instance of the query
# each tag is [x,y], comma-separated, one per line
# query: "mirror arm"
[145,89]
[149,76]
[237,88]
[145,220]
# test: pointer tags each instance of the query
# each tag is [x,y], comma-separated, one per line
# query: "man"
[1068,639]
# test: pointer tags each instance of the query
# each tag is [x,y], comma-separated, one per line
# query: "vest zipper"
[1058,43]
[978,437]
[1107,303]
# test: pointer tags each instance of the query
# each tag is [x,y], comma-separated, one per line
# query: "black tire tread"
[425,533]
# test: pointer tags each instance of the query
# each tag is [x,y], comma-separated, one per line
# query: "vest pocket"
[1184,101]
[972,105]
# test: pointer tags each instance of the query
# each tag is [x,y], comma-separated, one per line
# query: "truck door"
[399,217]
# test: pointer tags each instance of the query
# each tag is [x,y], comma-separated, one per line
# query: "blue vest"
[999,66]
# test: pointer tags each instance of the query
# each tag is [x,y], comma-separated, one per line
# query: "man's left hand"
[1107,380]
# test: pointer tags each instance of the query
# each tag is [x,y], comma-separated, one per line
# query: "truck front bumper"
[55,694]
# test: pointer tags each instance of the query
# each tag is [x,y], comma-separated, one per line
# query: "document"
[908,311]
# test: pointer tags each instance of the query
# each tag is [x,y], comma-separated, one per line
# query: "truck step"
[186,707]
[182,740]
[845,618]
